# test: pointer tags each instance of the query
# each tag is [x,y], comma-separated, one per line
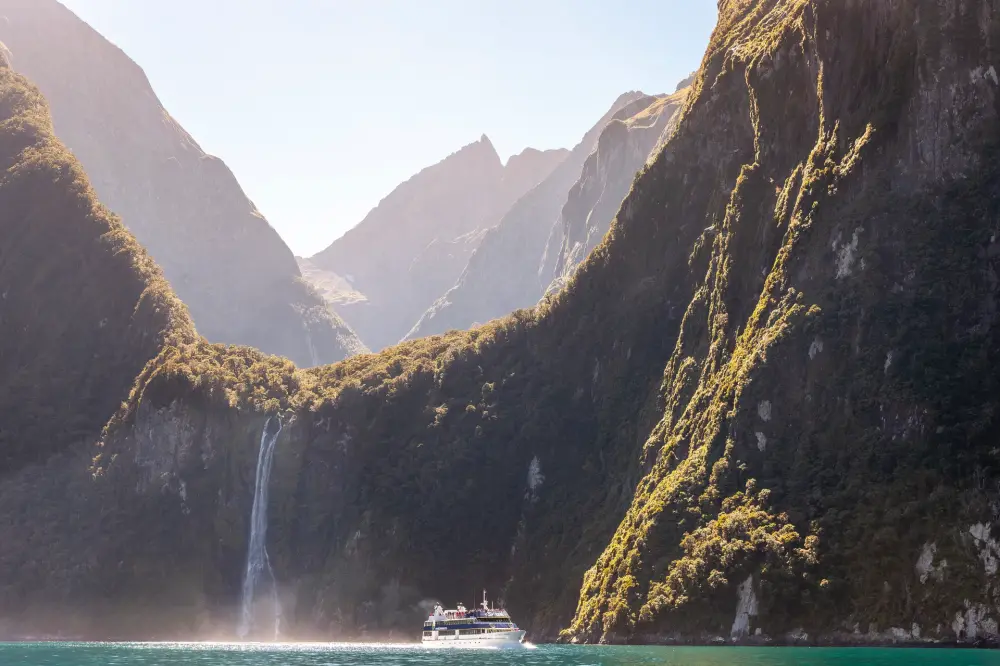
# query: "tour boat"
[482,627]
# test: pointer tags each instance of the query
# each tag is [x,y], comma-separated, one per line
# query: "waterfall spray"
[257,560]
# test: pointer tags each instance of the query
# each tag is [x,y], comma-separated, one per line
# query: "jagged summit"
[529,155]
[483,148]
[413,245]
[686,82]
[627,98]
[515,247]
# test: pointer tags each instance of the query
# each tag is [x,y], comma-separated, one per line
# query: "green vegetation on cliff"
[766,401]
[83,307]
[837,350]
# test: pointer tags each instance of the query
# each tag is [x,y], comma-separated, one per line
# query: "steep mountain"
[233,271]
[624,146]
[502,275]
[822,467]
[412,246]
[82,307]
[763,408]
[83,310]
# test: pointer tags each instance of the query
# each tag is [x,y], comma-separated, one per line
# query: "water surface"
[315,654]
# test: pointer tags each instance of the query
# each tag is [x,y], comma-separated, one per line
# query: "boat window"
[428,634]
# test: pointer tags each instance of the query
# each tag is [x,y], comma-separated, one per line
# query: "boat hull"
[506,639]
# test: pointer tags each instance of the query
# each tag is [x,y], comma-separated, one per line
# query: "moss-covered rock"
[82,307]
[837,353]
[766,401]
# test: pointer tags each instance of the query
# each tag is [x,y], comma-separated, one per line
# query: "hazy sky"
[322,107]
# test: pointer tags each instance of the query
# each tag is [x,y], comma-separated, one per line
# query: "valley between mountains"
[723,370]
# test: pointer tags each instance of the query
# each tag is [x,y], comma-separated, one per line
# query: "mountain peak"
[486,146]
[531,156]
[626,98]
[686,82]
[481,149]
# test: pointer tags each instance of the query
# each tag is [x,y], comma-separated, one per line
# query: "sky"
[321,107]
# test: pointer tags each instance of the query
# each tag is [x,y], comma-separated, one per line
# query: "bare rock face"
[504,272]
[223,259]
[524,171]
[631,139]
[334,288]
[413,245]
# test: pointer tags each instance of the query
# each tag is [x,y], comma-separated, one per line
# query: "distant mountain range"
[462,242]
[551,230]
[468,239]
[382,274]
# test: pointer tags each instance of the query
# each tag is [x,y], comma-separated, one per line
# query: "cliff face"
[822,468]
[82,311]
[413,245]
[766,401]
[502,274]
[82,308]
[233,271]
[634,135]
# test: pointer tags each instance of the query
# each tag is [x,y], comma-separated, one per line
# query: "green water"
[207,654]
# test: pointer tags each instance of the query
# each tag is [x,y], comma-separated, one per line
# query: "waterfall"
[257,560]
[313,356]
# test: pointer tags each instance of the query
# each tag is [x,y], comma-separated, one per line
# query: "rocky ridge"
[630,140]
[413,245]
[525,248]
